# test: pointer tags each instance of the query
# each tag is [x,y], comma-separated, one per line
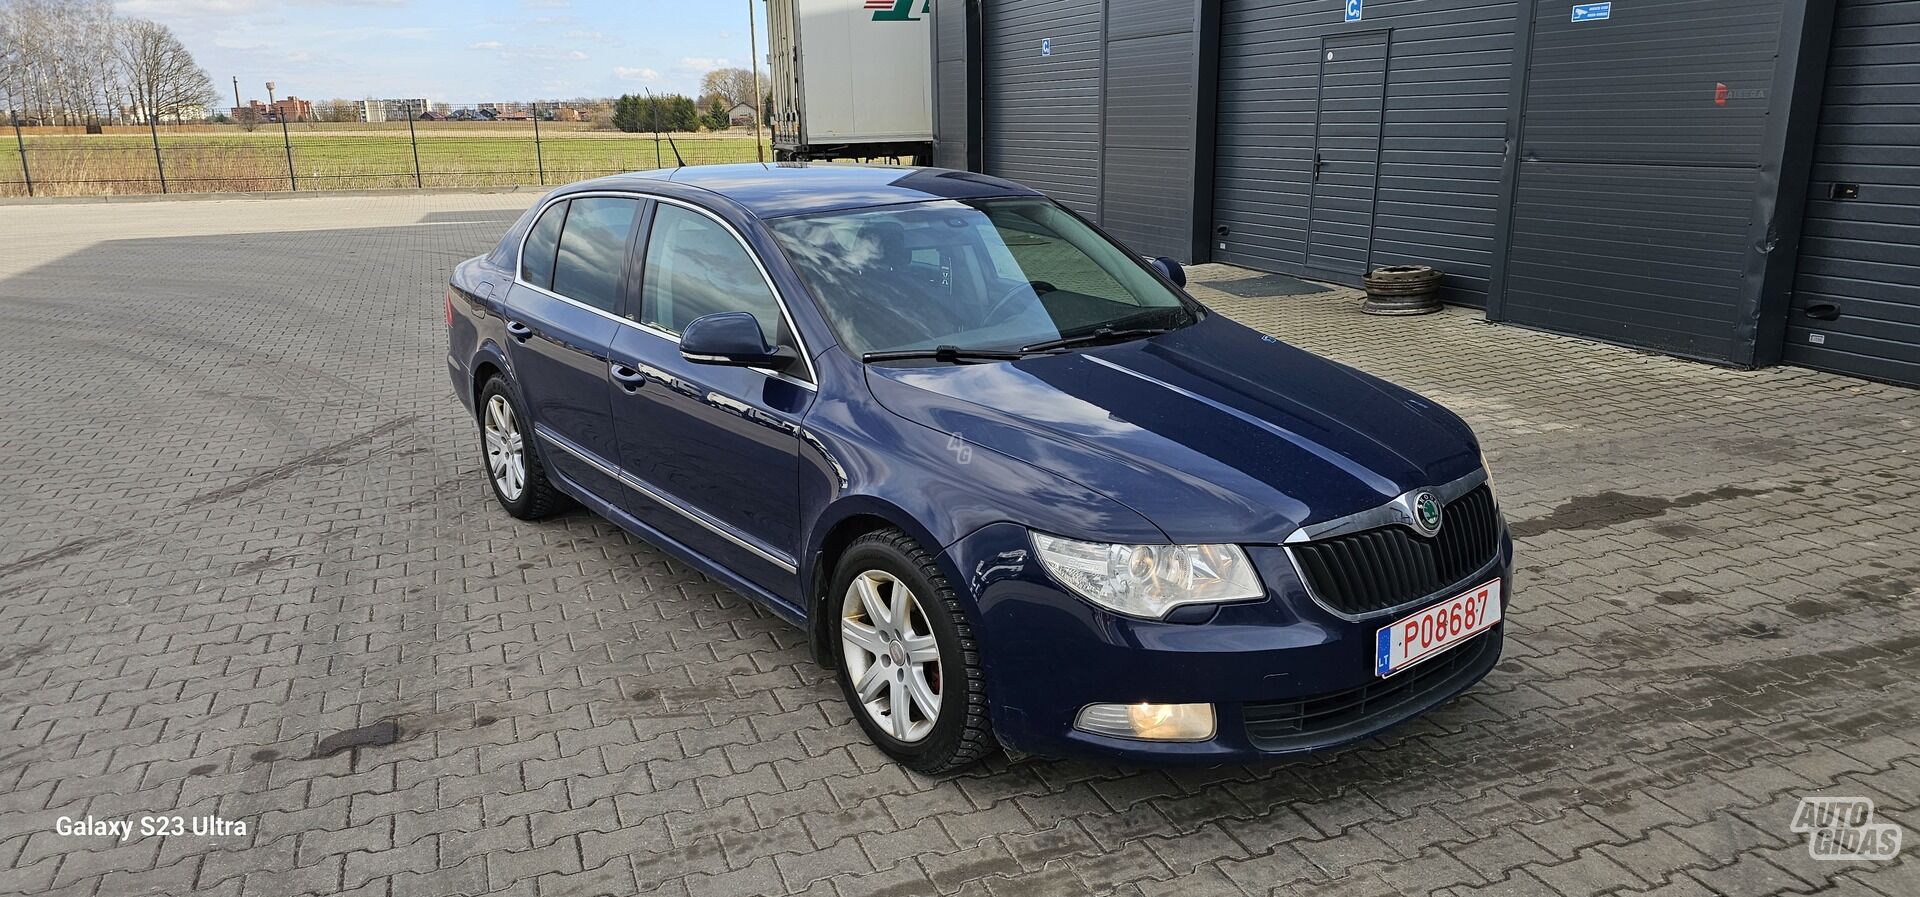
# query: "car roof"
[778,189]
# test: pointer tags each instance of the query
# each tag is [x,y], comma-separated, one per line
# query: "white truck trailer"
[852,79]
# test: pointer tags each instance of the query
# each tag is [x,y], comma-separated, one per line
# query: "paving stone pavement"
[244,513]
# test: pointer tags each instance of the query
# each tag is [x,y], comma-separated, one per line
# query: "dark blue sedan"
[1018,487]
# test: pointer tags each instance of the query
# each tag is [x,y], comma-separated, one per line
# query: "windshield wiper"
[1098,336]
[948,354]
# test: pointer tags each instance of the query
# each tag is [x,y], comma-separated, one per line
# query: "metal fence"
[468,146]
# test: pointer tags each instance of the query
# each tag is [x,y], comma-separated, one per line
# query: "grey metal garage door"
[1042,115]
[1856,302]
[1639,164]
[1412,131]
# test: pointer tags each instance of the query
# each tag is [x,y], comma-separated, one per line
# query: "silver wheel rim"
[891,655]
[506,449]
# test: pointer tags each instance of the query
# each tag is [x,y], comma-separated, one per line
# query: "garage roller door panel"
[1856,298]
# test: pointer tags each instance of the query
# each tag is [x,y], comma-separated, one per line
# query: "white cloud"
[703,63]
[632,74]
[487,45]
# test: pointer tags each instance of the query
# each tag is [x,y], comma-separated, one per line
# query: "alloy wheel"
[891,655]
[506,448]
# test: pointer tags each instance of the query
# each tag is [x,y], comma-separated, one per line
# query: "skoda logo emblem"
[1426,513]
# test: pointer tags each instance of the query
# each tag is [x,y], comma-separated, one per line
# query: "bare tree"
[162,80]
[731,86]
[336,110]
[76,61]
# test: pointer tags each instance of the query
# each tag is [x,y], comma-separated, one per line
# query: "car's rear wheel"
[909,665]
[512,465]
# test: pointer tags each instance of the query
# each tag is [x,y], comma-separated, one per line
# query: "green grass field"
[450,155]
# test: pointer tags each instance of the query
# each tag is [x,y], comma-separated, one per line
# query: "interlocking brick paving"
[244,514]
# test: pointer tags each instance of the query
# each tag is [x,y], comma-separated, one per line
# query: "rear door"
[561,321]
[712,451]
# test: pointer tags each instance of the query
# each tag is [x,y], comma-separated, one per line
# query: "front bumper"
[1285,676]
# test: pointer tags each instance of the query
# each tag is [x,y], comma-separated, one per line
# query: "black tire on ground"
[1402,290]
[538,498]
[962,733]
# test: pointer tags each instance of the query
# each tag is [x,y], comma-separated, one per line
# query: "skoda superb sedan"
[1019,488]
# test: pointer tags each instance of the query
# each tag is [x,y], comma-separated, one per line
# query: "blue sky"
[458,52]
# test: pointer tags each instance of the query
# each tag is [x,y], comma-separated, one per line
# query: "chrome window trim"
[632,482]
[1399,510]
[786,316]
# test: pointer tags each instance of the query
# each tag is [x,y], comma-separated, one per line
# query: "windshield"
[982,274]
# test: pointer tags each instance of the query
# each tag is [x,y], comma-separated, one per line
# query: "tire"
[536,497]
[959,733]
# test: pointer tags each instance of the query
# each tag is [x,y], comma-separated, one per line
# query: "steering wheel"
[1039,288]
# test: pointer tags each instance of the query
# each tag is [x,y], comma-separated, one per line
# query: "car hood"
[1214,432]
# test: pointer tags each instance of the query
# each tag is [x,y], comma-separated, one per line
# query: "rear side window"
[695,267]
[536,258]
[593,251]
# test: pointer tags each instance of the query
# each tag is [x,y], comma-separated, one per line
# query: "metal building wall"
[1148,126]
[1856,302]
[1042,101]
[1432,194]
[956,84]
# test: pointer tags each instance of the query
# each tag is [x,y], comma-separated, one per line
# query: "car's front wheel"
[909,665]
[513,467]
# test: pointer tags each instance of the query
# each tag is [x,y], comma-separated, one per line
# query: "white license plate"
[1431,632]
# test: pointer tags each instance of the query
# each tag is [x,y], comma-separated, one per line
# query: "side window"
[695,267]
[536,259]
[593,251]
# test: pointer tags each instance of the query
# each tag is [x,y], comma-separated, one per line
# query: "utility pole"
[236,95]
[753,48]
[286,140]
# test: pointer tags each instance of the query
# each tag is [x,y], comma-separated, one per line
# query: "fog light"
[1150,722]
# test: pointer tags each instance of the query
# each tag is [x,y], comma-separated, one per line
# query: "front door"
[712,451]
[1346,154]
[560,327]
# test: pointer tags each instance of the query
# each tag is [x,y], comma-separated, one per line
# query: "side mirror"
[1170,269]
[732,338]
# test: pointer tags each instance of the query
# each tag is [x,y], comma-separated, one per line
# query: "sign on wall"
[1353,10]
[1592,12]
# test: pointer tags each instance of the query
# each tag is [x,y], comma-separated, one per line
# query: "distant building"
[393,110]
[289,109]
[741,114]
[181,113]
[504,112]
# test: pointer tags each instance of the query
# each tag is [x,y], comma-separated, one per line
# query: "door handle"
[628,378]
[519,331]
[1318,163]
[1823,311]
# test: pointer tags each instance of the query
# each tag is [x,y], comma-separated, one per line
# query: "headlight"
[1149,580]
[1491,489]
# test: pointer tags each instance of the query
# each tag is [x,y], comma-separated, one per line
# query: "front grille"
[1374,570]
[1329,719]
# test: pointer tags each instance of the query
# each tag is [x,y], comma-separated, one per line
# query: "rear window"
[536,259]
[593,250]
